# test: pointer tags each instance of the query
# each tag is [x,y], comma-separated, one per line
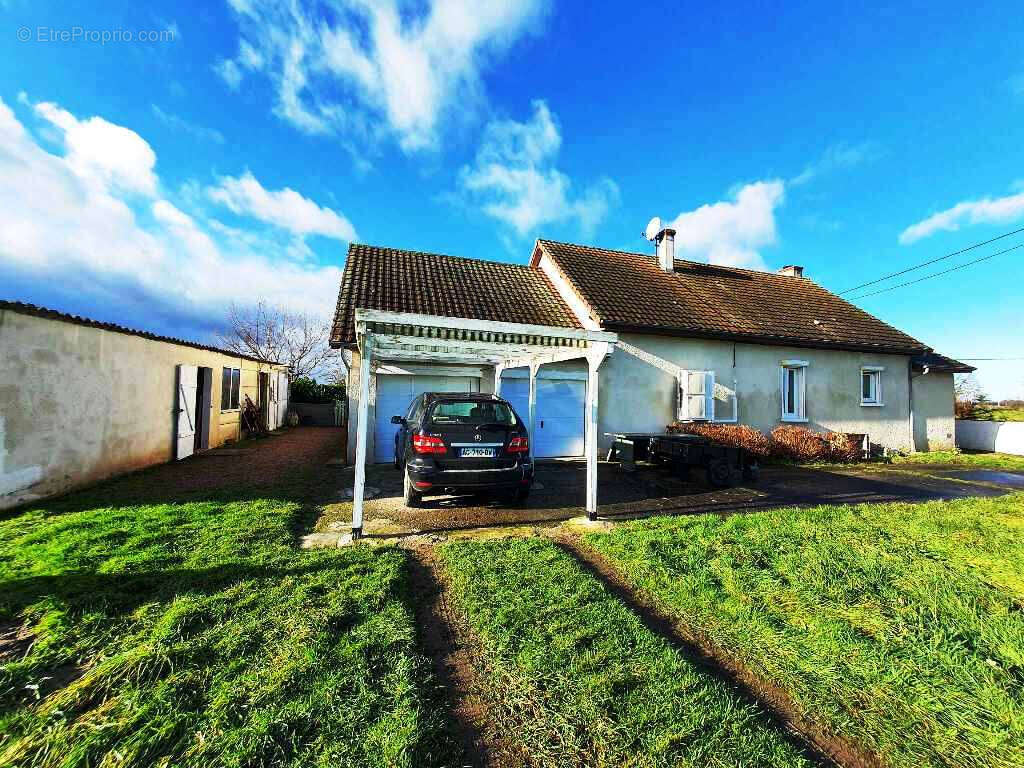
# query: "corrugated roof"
[941,364]
[396,280]
[52,314]
[630,292]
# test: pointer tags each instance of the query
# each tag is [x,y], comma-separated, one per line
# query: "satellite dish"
[653,228]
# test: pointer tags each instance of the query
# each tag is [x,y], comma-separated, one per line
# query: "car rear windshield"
[474,412]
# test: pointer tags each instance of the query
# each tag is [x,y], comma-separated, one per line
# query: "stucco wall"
[933,411]
[636,397]
[80,404]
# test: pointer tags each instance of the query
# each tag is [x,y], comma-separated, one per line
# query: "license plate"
[477,453]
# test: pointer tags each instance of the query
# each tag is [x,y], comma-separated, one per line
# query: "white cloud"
[515,181]
[75,217]
[184,126]
[988,210]
[732,233]
[347,66]
[837,157]
[102,152]
[229,72]
[285,208]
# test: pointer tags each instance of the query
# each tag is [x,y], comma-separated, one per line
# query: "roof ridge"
[454,257]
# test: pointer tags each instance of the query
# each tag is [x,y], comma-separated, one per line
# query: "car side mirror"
[397,420]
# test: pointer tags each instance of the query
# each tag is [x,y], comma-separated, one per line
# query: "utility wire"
[980,359]
[926,263]
[936,274]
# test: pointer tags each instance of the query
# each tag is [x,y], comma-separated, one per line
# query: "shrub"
[785,442]
[306,390]
[754,441]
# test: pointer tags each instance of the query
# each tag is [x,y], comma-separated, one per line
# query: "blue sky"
[235,156]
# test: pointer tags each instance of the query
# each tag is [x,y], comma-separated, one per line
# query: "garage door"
[394,393]
[560,413]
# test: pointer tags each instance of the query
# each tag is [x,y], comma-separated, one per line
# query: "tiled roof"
[449,286]
[51,314]
[630,292]
[941,364]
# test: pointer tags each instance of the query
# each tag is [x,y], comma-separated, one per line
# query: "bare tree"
[273,334]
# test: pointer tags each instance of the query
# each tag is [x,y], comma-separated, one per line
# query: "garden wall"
[999,436]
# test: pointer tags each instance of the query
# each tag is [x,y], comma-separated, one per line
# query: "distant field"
[996,413]
[899,626]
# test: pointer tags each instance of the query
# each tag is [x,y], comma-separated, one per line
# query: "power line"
[986,359]
[937,274]
[933,261]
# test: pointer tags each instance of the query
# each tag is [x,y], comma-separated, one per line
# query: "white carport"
[391,337]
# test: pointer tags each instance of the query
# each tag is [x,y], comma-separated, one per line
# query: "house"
[694,341]
[81,400]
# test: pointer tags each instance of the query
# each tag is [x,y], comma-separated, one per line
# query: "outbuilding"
[82,400]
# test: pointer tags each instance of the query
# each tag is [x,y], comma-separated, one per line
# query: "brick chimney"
[666,243]
[792,270]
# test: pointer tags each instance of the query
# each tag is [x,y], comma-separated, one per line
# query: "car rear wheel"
[411,495]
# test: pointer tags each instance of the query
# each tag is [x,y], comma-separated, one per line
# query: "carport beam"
[362,415]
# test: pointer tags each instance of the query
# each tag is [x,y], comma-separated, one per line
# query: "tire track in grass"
[579,679]
[443,638]
[825,746]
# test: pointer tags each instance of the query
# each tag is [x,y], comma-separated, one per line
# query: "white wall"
[636,397]
[999,436]
[79,404]
[933,411]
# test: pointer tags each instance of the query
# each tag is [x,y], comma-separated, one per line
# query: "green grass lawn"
[898,626]
[195,634]
[577,679]
[1004,461]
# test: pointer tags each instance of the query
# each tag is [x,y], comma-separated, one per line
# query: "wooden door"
[188,384]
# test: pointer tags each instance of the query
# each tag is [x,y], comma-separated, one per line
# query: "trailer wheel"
[752,473]
[719,473]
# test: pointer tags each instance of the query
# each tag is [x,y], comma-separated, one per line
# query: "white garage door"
[560,413]
[394,393]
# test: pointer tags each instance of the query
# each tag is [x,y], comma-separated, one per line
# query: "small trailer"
[723,464]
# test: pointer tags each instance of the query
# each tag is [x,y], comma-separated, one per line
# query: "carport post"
[498,370]
[361,419]
[533,406]
[595,357]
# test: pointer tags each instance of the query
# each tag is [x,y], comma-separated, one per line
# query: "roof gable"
[629,291]
[449,286]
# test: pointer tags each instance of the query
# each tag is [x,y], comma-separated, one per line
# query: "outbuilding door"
[188,385]
[396,392]
[561,405]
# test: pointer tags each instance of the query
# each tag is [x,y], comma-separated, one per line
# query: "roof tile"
[629,291]
[449,286]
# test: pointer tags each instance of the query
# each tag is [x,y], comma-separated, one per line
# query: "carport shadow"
[650,490]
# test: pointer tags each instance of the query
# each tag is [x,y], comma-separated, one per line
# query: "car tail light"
[518,445]
[428,444]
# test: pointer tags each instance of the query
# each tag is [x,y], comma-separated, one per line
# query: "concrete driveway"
[559,494]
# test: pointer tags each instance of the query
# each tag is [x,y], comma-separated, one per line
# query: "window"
[474,412]
[696,396]
[793,390]
[230,383]
[871,385]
